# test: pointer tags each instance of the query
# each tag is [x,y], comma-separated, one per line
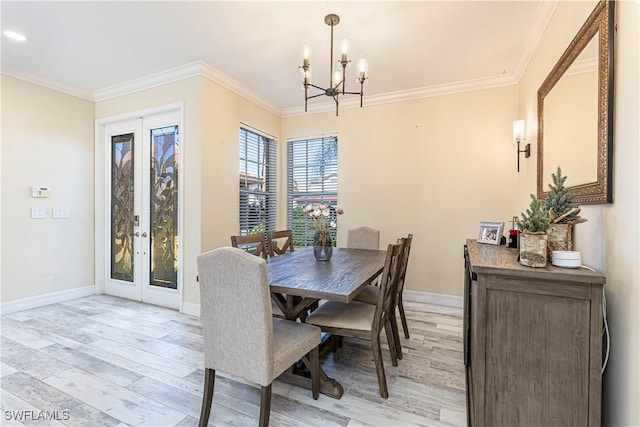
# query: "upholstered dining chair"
[253,243]
[370,296]
[278,246]
[363,238]
[366,321]
[241,337]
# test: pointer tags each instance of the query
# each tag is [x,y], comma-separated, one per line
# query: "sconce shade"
[518,131]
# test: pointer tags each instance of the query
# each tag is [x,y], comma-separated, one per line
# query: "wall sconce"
[518,137]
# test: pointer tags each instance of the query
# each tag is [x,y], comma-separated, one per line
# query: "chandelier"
[337,78]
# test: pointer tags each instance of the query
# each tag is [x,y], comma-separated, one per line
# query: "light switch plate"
[38,213]
[61,213]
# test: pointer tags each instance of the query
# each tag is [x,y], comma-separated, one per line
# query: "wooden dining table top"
[339,279]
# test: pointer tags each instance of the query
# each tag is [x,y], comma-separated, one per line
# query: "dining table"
[298,282]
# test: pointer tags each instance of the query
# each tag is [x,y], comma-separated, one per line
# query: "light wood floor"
[105,361]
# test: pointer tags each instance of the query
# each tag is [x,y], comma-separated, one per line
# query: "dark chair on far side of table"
[253,243]
[280,242]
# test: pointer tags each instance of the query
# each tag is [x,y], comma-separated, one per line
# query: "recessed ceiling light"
[15,36]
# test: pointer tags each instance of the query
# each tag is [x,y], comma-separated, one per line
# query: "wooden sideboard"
[532,341]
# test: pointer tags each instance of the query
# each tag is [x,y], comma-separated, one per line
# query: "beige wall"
[609,241]
[434,167]
[47,139]
[223,112]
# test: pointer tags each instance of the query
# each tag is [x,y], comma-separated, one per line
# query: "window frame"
[265,148]
[327,193]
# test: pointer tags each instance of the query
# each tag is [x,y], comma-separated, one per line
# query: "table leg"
[328,386]
[295,308]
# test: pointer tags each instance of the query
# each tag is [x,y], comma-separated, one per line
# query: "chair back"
[276,249]
[236,314]
[404,262]
[363,238]
[388,284]
[252,243]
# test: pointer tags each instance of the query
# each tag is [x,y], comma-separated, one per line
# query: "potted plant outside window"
[533,236]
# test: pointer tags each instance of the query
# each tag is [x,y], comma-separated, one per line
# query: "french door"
[141,203]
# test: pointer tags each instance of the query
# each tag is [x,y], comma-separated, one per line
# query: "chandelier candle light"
[337,79]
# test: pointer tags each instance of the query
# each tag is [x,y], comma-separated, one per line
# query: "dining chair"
[363,237]
[240,335]
[285,245]
[369,295]
[366,321]
[253,243]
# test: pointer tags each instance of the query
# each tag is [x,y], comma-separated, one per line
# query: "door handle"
[144,234]
[137,234]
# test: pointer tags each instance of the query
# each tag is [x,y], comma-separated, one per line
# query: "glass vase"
[322,246]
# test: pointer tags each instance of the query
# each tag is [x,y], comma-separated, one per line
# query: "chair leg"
[265,405]
[314,359]
[207,396]
[396,334]
[403,318]
[391,341]
[377,358]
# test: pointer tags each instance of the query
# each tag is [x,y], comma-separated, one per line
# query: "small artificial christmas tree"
[533,240]
[536,219]
[559,202]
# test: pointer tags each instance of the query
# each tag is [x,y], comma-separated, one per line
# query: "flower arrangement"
[322,217]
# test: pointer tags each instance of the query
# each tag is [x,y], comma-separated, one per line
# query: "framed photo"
[490,232]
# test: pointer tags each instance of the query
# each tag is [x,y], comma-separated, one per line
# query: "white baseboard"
[429,298]
[191,309]
[51,298]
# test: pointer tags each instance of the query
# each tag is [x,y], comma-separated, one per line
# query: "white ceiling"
[414,48]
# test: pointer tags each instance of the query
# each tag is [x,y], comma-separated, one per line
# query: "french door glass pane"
[164,207]
[122,207]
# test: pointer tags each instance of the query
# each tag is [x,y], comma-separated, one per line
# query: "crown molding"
[147,82]
[543,16]
[233,85]
[407,95]
[50,84]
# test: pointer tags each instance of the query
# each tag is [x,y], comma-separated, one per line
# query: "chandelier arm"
[352,93]
[315,96]
[335,98]
[317,87]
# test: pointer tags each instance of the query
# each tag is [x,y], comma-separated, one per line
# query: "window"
[312,177]
[258,198]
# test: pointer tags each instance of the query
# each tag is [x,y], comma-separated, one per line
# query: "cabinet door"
[537,356]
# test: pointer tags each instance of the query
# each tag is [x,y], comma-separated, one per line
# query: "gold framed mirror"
[575,113]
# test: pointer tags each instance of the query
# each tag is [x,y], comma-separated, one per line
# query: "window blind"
[257,173]
[312,177]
